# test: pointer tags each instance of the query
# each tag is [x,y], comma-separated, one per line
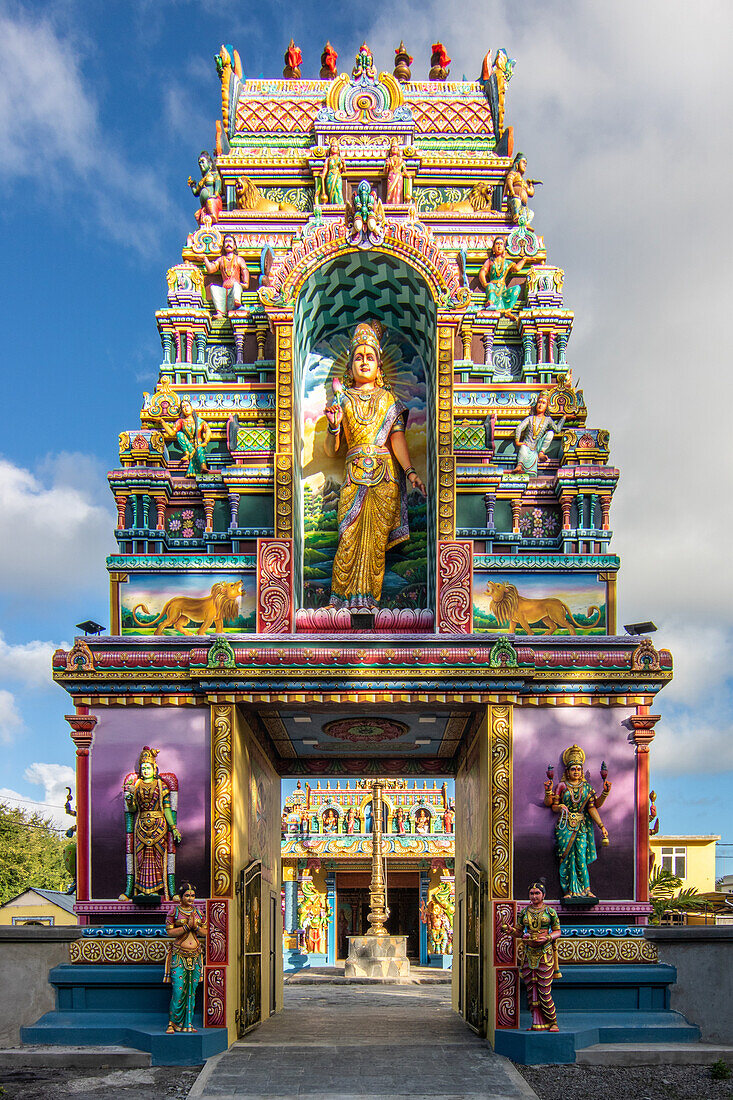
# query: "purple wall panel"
[182,735]
[541,734]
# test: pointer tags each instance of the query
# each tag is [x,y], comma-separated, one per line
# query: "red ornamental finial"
[439,62]
[293,59]
[328,62]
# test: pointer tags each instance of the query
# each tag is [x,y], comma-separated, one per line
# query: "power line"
[33,802]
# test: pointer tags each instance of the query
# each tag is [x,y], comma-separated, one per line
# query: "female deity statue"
[209,190]
[150,821]
[372,511]
[577,805]
[493,278]
[192,436]
[539,929]
[533,437]
[350,821]
[332,182]
[330,822]
[422,822]
[185,963]
[396,174]
[400,821]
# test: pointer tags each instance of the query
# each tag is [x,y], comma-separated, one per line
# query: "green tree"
[662,884]
[31,853]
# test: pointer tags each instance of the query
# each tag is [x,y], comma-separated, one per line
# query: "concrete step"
[654,1054]
[142,1031]
[70,1057]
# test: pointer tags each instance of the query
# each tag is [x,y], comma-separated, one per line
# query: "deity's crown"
[367,332]
[573,755]
[148,755]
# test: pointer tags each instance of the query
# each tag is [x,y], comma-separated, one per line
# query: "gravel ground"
[626,1083]
[163,1083]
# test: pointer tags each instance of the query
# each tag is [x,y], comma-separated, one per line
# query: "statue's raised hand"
[334,415]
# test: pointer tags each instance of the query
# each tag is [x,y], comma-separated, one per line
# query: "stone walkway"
[362,1041]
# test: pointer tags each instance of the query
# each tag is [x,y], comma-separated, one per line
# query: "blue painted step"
[601,1004]
[125,1005]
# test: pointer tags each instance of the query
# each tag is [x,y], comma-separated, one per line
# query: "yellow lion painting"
[478,200]
[249,197]
[180,611]
[512,610]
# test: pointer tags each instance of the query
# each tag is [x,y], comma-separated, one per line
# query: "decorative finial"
[293,59]
[328,62]
[402,62]
[439,62]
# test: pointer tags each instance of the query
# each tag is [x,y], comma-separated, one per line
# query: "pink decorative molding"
[507,997]
[455,597]
[505,951]
[217,932]
[333,620]
[274,586]
[215,996]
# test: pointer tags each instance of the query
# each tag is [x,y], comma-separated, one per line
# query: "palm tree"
[662,884]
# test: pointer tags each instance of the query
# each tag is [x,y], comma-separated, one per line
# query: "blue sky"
[621,109]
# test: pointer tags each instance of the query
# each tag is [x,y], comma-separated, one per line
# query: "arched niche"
[349,288]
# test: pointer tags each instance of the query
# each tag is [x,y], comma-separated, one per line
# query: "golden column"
[378,911]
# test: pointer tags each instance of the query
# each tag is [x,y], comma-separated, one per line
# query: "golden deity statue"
[372,511]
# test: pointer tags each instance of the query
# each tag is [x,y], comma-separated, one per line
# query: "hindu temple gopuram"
[363,530]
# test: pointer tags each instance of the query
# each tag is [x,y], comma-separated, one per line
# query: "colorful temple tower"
[363,530]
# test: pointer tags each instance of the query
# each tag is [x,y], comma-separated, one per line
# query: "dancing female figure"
[372,511]
[185,963]
[539,929]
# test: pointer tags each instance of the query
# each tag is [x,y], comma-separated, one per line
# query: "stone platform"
[377,957]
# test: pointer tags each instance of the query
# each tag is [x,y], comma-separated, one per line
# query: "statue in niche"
[351,823]
[293,60]
[534,436]
[184,966]
[328,62]
[518,191]
[332,176]
[191,434]
[234,275]
[396,172]
[448,818]
[150,824]
[399,823]
[493,277]
[422,822]
[576,803]
[364,215]
[372,510]
[538,927]
[208,189]
[330,822]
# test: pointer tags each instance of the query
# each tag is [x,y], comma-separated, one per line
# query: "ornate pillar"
[332,923]
[527,347]
[505,984]
[200,347]
[189,345]
[488,342]
[565,504]
[466,338]
[378,911]
[209,511]
[516,504]
[592,516]
[222,725]
[424,883]
[538,340]
[146,511]
[579,501]
[605,509]
[82,734]
[562,344]
[284,431]
[642,735]
[261,338]
[444,433]
[167,348]
[160,509]
[177,338]
[121,501]
[490,502]
[233,511]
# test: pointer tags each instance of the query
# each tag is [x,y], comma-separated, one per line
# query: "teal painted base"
[600,1004]
[122,1005]
[441,962]
[300,960]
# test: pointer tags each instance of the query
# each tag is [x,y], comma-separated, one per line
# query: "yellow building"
[692,858]
[36,906]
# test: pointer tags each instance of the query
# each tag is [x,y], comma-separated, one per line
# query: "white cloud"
[51,540]
[10,719]
[51,136]
[54,779]
[28,663]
